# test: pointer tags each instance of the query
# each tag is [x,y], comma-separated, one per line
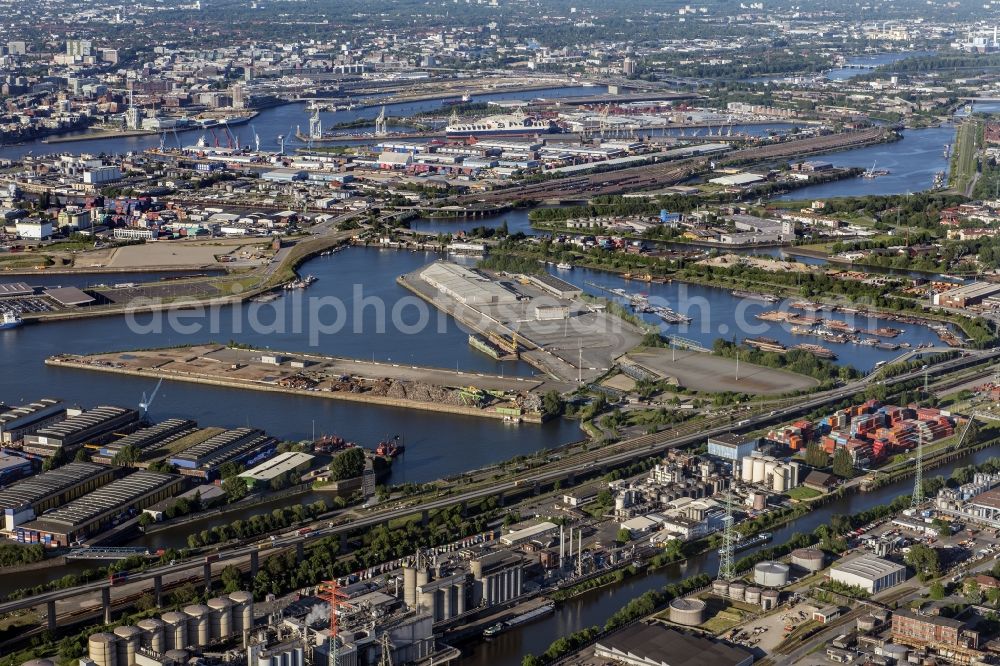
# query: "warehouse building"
[26,499]
[868,572]
[14,467]
[278,466]
[540,531]
[26,419]
[80,427]
[966,295]
[656,645]
[555,286]
[246,445]
[466,286]
[142,440]
[731,447]
[101,509]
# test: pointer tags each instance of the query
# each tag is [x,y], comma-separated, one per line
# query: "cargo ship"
[10,320]
[514,124]
[766,344]
[753,295]
[500,627]
[817,351]
[485,346]
[743,544]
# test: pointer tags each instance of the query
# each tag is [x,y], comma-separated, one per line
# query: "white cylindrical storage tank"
[410,587]
[810,559]
[129,640]
[103,649]
[758,471]
[769,467]
[242,611]
[737,590]
[152,634]
[175,634]
[199,624]
[793,474]
[769,599]
[720,587]
[176,657]
[770,574]
[222,617]
[687,612]
[746,469]
[894,651]
[779,482]
[867,623]
[752,595]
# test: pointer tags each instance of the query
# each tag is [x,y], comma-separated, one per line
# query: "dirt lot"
[706,372]
[182,253]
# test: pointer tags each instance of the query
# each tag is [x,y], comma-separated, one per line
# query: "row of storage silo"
[198,626]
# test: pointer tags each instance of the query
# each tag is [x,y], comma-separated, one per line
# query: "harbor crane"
[145,403]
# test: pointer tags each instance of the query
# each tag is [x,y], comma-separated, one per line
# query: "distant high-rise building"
[629,67]
[79,47]
[239,96]
[17,48]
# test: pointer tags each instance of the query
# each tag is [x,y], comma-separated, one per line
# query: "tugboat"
[331,443]
[10,320]
[390,448]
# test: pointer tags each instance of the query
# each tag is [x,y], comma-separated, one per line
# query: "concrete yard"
[573,341]
[706,372]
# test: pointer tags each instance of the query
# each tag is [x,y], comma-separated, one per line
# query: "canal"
[595,607]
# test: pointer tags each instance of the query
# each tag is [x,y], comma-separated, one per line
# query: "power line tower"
[918,477]
[330,592]
[727,570]
[386,649]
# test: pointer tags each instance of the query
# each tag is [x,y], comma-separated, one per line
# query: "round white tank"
[779,482]
[222,617]
[103,649]
[130,639]
[720,588]
[175,634]
[758,471]
[152,634]
[769,467]
[897,652]
[737,591]
[746,469]
[199,624]
[810,559]
[867,623]
[770,574]
[769,599]
[177,657]
[410,582]
[687,612]
[752,595]
[242,611]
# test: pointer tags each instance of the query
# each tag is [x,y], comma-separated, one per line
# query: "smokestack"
[579,552]
[562,545]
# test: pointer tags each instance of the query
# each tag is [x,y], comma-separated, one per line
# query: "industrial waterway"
[281,120]
[595,607]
